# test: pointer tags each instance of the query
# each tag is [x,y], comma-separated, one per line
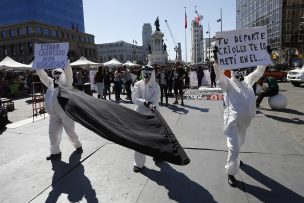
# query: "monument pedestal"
[158,55]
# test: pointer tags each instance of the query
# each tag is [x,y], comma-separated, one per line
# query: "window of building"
[54,33]
[3,34]
[46,32]
[21,31]
[29,30]
[12,33]
[38,30]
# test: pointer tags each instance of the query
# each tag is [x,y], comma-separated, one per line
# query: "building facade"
[209,44]
[285,23]
[122,51]
[24,23]
[197,42]
[17,41]
[63,13]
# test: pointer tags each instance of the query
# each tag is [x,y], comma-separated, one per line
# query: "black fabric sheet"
[145,133]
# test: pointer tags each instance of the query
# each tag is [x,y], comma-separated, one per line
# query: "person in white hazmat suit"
[145,94]
[58,118]
[240,109]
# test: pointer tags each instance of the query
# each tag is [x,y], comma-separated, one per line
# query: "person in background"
[187,79]
[179,76]
[170,73]
[212,76]
[145,95]
[107,79]
[162,79]
[128,83]
[79,80]
[118,83]
[200,75]
[272,89]
[99,81]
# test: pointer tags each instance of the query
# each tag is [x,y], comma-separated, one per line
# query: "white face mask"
[239,75]
[59,76]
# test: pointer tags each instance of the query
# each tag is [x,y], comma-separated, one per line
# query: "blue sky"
[114,20]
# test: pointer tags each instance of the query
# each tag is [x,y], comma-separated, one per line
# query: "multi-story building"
[17,40]
[122,51]
[197,43]
[24,23]
[146,35]
[63,13]
[285,23]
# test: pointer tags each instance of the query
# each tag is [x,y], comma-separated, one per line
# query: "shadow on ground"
[297,121]
[69,179]
[275,192]
[180,188]
[290,111]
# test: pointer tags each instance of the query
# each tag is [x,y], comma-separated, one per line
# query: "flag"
[200,17]
[186,24]
[197,17]
[146,133]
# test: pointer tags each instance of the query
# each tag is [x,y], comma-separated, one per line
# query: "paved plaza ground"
[273,170]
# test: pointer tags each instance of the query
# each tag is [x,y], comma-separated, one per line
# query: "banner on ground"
[50,55]
[242,48]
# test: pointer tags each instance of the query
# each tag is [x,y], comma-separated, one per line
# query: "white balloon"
[278,101]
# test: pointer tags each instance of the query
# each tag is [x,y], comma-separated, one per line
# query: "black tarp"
[145,133]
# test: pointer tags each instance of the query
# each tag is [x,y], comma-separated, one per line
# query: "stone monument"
[158,54]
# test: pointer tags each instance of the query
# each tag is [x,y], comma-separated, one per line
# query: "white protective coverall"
[239,111]
[142,92]
[58,118]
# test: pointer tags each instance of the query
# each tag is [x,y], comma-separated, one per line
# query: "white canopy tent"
[130,64]
[9,63]
[113,63]
[82,61]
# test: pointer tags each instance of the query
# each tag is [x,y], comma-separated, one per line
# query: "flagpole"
[186,36]
[221,21]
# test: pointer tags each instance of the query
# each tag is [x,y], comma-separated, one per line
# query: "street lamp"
[208,32]
[220,20]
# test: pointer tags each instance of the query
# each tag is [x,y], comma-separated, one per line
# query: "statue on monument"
[164,48]
[156,23]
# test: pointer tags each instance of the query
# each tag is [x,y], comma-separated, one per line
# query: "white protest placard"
[242,48]
[50,56]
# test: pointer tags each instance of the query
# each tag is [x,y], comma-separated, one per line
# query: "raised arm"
[258,73]
[255,75]
[45,79]
[68,74]
[222,79]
